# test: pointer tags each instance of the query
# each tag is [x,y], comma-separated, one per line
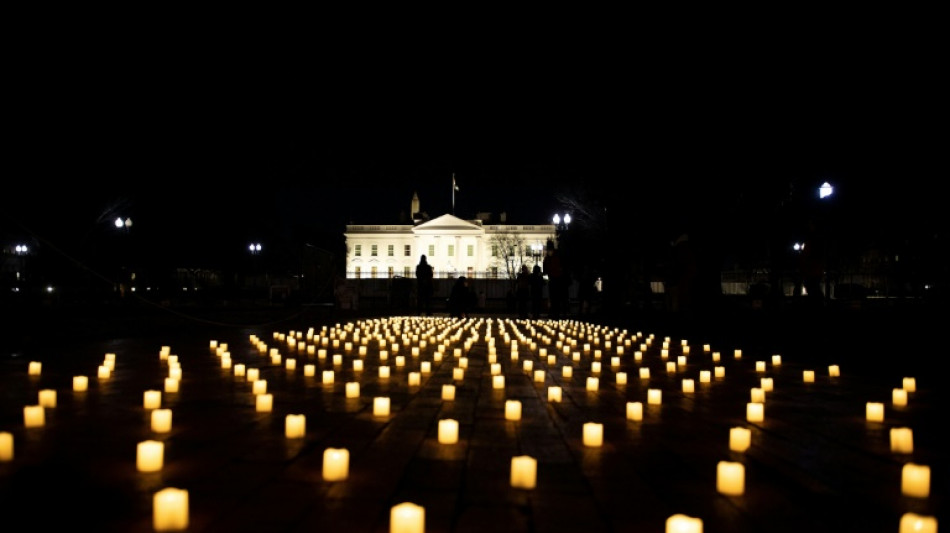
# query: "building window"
[494,250]
[356,273]
[373,273]
[431,250]
[451,250]
[391,272]
[470,272]
[391,250]
[358,250]
[407,251]
[493,272]
[373,250]
[471,250]
[406,271]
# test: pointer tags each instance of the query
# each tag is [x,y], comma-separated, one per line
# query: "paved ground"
[815,462]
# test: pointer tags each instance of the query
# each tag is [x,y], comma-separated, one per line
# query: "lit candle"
[554,393]
[767,384]
[595,367]
[654,396]
[874,412]
[357,365]
[755,411]
[170,510]
[670,367]
[34,416]
[174,372]
[730,478]
[352,389]
[716,357]
[415,378]
[400,361]
[512,410]
[463,362]
[552,360]
[448,431]
[240,370]
[47,398]
[384,371]
[336,464]
[593,434]
[524,472]
[634,411]
[567,371]
[757,395]
[902,440]
[103,372]
[162,420]
[776,360]
[834,371]
[35,368]
[680,523]
[425,367]
[738,354]
[290,364]
[6,446]
[615,361]
[253,374]
[498,382]
[689,385]
[808,376]
[915,480]
[705,376]
[152,399]
[381,406]
[719,372]
[910,384]
[539,376]
[593,383]
[899,397]
[80,383]
[260,386]
[621,378]
[337,359]
[495,369]
[644,373]
[309,370]
[914,523]
[681,360]
[448,392]
[739,439]
[150,456]
[407,518]
[295,426]
[264,403]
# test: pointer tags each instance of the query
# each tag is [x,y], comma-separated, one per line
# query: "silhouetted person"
[523,291]
[461,299]
[537,291]
[424,287]
[558,283]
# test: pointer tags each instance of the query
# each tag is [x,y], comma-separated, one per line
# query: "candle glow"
[524,472]
[170,510]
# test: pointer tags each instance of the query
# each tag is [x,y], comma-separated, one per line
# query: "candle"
[539,376]
[448,392]
[384,372]
[103,372]
[290,364]
[407,518]
[689,385]
[767,384]
[567,371]
[34,416]
[671,367]
[914,523]
[357,365]
[730,478]
[595,367]
[512,410]
[415,378]
[295,426]
[35,368]
[381,406]
[463,362]
[498,382]
[554,393]
[47,398]
[738,354]
[899,397]
[174,372]
[264,403]
[495,369]
[152,399]
[739,439]
[150,456]
[719,372]
[260,386]
[400,361]
[757,395]
[170,510]
[593,383]
[644,373]
[808,376]
[716,357]
[705,376]
[253,374]
[902,440]
[309,370]
[874,412]
[654,396]
[593,434]
[240,370]
[352,389]
[834,371]
[615,361]
[448,431]
[681,360]
[634,411]
[6,446]
[80,383]
[162,420]
[680,523]
[910,384]
[425,367]
[524,472]
[915,480]
[336,464]
[755,411]
[776,360]
[621,378]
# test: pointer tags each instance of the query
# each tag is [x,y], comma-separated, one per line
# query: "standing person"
[424,287]
[523,291]
[558,283]
[537,292]
[460,299]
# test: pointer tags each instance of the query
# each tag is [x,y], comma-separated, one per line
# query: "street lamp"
[254,248]
[120,224]
[21,249]
[825,190]
[561,224]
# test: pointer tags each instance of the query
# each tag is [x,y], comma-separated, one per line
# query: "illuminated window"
[407,250]
[391,250]
[358,251]
[373,250]
[451,250]
[470,272]
[471,250]
[431,250]
[391,272]
[406,271]
[356,273]
[373,273]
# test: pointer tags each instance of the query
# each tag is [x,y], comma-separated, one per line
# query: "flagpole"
[453,193]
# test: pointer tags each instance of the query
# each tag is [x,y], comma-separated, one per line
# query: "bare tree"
[512,252]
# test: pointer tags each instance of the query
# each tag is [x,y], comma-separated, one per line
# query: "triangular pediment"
[447,223]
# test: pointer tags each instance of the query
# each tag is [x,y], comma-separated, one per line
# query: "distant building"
[454,247]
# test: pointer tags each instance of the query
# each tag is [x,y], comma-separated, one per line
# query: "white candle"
[295,426]
[808,376]
[175,372]
[34,416]
[595,367]
[614,361]
[47,398]
[757,395]
[170,510]
[644,373]
[755,411]
[915,480]
[621,378]
[162,420]
[495,369]
[264,403]
[740,439]
[260,386]
[336,464]
[357,365]
[737,354]
[309,370]
[240,370]
[593,383]
[35,368]
[834,371]
[719,372]
[80,383]
[716,357]
[730,478]
[415,378]
[381,406]
[767,384]
[448,392]
[425,367]
[776,360]
[407,518]
[104,372]
[910,384]
[152,399]
[171,385]
[874,412]
[681,360]
[352,389]
[6,446]
[902,440]
[512,410]
[524,472]
[670,367]
[593,434]
[680,523]
[689,385]
[448,431]
[914,523]
[634,411]
[150,456]
[539,376]
[567,371]
[253,374]
[554,393]
[400,361]
[654,396]
[290,364]
[899,397]
[705,376]
[498,382]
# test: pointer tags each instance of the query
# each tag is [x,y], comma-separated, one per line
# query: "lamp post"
[537,249]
